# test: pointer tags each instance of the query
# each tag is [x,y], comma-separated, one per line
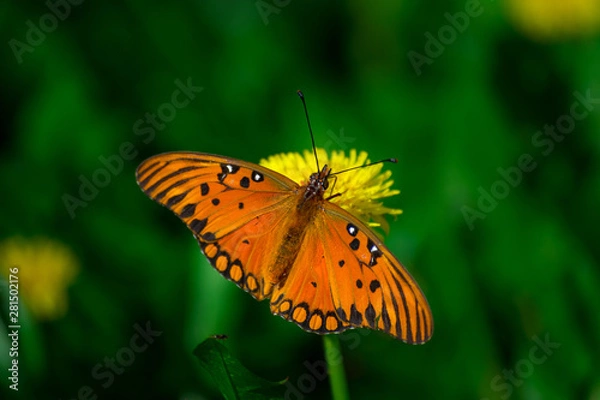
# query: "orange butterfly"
[321,267]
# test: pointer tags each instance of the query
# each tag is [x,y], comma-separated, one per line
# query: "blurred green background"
[456,90]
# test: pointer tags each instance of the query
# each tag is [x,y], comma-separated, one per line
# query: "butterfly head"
[318,183]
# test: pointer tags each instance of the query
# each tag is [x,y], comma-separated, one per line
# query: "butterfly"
[321,267]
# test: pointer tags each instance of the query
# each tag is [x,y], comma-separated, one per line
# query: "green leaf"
[233,379]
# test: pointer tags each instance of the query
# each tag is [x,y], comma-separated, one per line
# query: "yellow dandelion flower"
[45,270]
[555,19]
[361,189]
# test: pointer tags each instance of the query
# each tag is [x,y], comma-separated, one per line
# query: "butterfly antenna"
[312,137]
[392,160]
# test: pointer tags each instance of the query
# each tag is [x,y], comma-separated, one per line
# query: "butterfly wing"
[375,291]
[358,282]
[235,209]
[306,298]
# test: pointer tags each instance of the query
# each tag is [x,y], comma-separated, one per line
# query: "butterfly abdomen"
[286,254]
[291,242]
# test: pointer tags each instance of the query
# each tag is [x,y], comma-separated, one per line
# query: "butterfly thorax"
[318,183]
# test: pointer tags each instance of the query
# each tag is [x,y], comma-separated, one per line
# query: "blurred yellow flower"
[555,19]
[45,270]
[360,189]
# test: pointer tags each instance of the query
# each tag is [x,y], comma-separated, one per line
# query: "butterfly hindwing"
[233,208]
[243,255]
[305,297]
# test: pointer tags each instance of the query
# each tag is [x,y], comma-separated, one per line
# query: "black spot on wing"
[257,176]
[370,244]
[229,168]
[215,201]
[341,263]
[355,244]
[375,252]
[374,285]
[355,316]
[370,315]
[341,314]
[188,210]
[245,182]
[175,199]
[208,236]
[359,284]
[204,189]
[241,206]
[197,225]
[352,229]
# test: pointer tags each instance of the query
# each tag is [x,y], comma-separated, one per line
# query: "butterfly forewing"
[370,287]
[235,209]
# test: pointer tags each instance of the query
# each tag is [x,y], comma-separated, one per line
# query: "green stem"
[335,366]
